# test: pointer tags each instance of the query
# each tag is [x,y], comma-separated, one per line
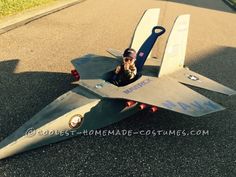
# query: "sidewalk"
[15,21]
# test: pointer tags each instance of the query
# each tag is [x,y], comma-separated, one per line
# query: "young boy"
[125,72]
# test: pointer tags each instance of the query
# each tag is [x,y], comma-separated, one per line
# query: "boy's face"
[128,60]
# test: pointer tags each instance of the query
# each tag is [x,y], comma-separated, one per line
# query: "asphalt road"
[35,69]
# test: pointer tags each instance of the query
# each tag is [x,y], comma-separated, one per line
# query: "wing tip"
[210,107]
[221,108]
[233,92]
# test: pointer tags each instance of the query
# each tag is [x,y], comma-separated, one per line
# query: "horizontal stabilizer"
[163,92]
[189,77]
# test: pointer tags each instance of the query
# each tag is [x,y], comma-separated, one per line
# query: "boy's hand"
[117,70]
[126,66]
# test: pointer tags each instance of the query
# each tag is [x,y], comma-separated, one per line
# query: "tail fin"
[143,29]
[174,55]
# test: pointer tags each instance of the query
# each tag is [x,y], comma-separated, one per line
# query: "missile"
[154,109]
[142,106]
[130,103]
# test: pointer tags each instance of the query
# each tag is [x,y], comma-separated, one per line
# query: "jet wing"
[163,92]
[189,77]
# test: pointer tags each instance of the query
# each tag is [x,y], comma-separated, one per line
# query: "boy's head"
[129,56]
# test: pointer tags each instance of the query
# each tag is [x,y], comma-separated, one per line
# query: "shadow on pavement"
[24,94]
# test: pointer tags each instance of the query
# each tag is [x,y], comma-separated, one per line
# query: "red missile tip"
[130,103]
[75,74]
[142,106]
[154,109]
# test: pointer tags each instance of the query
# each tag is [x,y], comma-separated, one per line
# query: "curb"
[230,4]
[20,20]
